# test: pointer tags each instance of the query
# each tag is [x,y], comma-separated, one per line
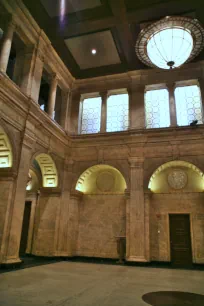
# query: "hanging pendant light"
[170,42]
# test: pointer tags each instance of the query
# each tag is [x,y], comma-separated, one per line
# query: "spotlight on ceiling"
[93,51]
[170,42]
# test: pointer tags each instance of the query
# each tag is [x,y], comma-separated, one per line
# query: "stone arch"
[176,164]
[48,170]
[6,152]
[101,178]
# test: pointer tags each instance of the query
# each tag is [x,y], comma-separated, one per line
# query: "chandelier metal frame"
[191,25]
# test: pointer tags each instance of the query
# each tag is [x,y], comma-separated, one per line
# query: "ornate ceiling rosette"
[170,42]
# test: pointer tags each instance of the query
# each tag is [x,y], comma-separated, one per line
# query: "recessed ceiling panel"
[57,7]
[94,50]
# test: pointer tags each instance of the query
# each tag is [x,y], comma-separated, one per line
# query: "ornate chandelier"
[170,42]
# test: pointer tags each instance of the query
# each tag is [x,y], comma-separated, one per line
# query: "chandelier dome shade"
[170,42]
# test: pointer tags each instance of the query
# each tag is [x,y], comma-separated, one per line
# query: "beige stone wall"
[45,225]
[101,219]
[161,205]
[6,188]
[86,225]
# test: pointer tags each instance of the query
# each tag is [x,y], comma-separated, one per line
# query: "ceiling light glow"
[62,11]
[93,51]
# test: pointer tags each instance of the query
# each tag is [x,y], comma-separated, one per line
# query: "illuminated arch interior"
[101,179]
[158,181]
[48,170]
[6,158]
[33,181]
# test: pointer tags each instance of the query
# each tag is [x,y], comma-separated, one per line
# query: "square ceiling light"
[94,50]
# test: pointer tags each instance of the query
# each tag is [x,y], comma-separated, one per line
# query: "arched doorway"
[177,210]
[102,211]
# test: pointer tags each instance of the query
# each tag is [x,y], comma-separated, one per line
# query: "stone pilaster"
[127,198]
[147,198]
[65,110]
[27,72]
[201,85]
[75,116]
[52,96]
[7,186]
[6,46]
[103,111]
[73,223]
[136,227]
[172,104]
[11,244]
[62,223]
[137,106]
[18,67]
[38,64]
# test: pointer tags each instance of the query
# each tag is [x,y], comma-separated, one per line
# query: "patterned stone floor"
[86,284]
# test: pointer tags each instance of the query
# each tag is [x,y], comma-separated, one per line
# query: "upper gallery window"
[188,105]
[117,112]
[90,115]
[157,108]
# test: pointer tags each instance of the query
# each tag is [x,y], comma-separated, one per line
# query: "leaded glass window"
[91,115]
[157,108]
[188,105]
[117,113]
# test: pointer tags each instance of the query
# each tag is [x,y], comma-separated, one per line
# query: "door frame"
[31,197]
[191,233]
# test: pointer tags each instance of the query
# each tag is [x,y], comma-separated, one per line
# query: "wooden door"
[180,238]
[25,228]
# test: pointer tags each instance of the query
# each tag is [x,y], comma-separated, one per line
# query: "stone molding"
[76,195]
[49,191]
[136,162]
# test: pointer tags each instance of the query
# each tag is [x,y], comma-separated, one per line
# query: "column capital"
[171,85]
[136,162]
[127,193]
[54,77]
[103,94]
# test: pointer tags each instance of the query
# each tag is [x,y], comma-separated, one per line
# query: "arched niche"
[48,170]
[6,157]
[177,176]
[101,179]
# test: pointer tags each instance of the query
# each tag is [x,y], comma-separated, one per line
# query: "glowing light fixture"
[93,51]
[170,42]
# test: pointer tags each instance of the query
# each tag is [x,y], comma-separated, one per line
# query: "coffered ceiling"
[110,27]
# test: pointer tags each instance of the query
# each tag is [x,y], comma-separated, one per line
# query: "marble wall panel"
[101,219]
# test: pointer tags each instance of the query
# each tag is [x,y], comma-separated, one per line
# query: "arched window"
[188,105]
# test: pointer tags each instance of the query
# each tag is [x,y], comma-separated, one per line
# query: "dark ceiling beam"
[124,33]
[89,26]
[138,16]
[160,10]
